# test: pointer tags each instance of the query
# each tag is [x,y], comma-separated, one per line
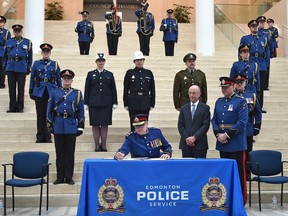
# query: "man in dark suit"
[193,124]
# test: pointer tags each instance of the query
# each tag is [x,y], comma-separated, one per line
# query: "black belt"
[16,58]
[140,93]
[258,55]
[66,115]
[46,79]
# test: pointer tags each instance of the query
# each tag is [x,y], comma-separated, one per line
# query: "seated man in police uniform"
[144,141]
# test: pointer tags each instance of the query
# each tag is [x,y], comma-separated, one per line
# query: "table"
[150,187]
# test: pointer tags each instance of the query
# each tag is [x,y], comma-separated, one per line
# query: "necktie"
[193,110]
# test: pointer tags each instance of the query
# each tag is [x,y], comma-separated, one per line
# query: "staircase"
[17,130]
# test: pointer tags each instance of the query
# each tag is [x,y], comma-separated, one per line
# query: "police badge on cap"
[67,72]
[46,47]
[226,81]
[140,119]
[100,56]
[189,56]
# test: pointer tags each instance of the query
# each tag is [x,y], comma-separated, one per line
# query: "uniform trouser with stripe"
[112,42]
[41,110]
[84,47]
[169,48]
[262,85]
[65,149]
[144,41]
[240,157]
[16,80]
[2,74]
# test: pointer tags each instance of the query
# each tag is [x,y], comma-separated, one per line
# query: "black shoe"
[264,111]
[2,86]
[70,182]
[103,150]
[48,141]
[266,89]
[11,111]
[20,111]
[38,141]
[58,181]
[97,150]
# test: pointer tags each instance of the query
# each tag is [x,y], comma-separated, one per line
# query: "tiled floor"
[267,210]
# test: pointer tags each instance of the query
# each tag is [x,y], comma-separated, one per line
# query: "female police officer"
[101,97]
[45,76]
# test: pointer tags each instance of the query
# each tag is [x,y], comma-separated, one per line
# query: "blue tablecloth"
[172,187]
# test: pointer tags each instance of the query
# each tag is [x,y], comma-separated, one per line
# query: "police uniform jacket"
[171,30]
[145,23]
[45,74]
[139,89]
[100,89]
[273,31]
[148,145]
[4,36]
[18,55]
[85,30]
[69,114]
[255,114]
[231,117]
[258,49]
[265,33]
[250,69]
[183,81]
[114,24]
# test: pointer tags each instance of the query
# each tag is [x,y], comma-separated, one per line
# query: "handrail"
[228,27]
[284,39]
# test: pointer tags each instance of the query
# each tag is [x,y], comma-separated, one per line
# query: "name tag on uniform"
[25,46]
[249,100]
[156,143]
[230,108]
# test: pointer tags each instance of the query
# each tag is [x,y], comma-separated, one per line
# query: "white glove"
[86,107]
[114,106]
[151,108]
[126,108]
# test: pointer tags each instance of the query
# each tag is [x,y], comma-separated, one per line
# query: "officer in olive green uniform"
[186,78]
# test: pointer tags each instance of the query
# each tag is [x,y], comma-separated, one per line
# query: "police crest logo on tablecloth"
[214,196]
[110,197]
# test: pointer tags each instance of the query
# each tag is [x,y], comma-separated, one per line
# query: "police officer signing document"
[18,58]
[144,141]
[45,76]
[139,88]
[65,118]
